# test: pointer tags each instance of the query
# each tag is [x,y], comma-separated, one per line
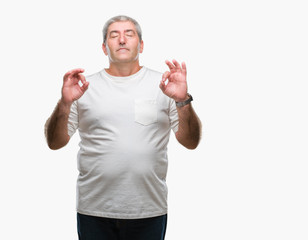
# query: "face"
[122,44]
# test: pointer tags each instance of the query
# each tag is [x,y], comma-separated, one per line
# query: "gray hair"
[121,18]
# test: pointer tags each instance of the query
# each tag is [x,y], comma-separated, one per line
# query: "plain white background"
[247,71]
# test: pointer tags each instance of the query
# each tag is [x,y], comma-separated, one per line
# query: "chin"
[125,60]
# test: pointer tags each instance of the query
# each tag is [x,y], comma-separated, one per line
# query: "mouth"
[123,49]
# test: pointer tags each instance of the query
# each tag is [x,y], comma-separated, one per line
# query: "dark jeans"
[99,228]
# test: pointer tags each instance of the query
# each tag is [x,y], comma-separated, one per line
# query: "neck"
[123,69]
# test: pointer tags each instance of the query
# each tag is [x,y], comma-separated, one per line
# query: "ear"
[105,49]
[141,46]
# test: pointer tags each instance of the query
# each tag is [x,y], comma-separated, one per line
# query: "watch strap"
[181,104]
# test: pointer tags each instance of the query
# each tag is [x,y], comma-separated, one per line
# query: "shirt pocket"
[145,111]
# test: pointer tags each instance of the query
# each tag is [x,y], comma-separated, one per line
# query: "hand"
[71,89]
[176,87]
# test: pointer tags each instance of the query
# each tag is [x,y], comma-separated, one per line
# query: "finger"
[165,76]
[73,72]
[81,78]
[162,85]
[85,86]
[176,64]
[170,65]
[184,68]
[77,77]
[77,70]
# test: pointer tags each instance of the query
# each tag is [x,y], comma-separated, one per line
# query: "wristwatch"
[181,104]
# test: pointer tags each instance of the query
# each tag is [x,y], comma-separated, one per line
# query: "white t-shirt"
[124,125]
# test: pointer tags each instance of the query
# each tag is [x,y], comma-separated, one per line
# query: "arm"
[189,132]
[56,126]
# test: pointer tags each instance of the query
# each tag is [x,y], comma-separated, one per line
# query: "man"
[124,115]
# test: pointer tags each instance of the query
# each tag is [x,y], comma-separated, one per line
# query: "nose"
[122,39]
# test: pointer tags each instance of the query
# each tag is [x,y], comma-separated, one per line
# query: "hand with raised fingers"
[176,86]
[74,85]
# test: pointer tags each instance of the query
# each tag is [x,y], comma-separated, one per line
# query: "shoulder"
[153,73]
[153,76]
[94,76]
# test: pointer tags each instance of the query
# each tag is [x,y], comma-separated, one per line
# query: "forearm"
[189,129]
[56,126]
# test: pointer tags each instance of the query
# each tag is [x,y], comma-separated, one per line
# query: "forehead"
[121,26]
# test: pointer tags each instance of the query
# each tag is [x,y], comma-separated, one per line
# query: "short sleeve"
[72,125]
[173,116]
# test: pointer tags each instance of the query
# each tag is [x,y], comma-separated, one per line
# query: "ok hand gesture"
[176,87]
[71,89]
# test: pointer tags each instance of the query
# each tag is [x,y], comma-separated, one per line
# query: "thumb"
[163,81]
[162,86]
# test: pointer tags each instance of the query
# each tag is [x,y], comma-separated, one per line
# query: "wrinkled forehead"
[121,26]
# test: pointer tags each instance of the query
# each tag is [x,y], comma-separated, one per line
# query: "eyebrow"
[129,30]
[117,31]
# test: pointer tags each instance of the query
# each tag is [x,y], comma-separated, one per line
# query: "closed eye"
[113,34]
[129,33]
